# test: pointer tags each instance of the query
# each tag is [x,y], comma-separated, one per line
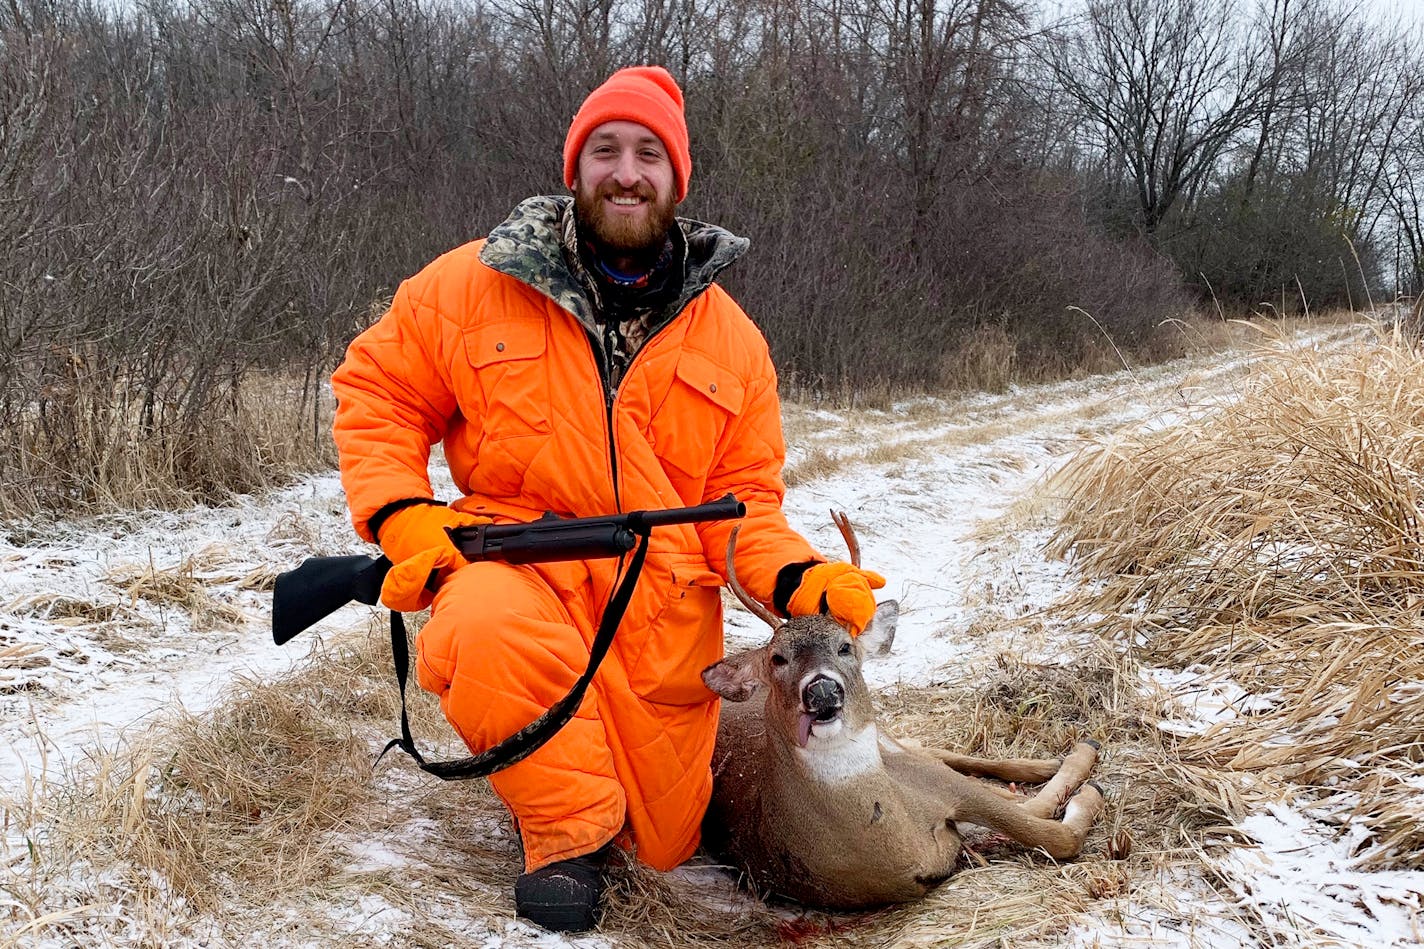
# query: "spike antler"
[756,609]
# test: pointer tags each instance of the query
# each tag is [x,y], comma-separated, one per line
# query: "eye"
[777,659]
[845,649]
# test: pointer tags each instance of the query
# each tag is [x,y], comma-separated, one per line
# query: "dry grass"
[87,448]
[227,808]
[259,801]
[1279,541]
[182,587]
[60,609]
[987,361]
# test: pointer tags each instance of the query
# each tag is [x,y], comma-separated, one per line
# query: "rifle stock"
[319,587]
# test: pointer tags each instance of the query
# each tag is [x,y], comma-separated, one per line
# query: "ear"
[880,634]
[737,677]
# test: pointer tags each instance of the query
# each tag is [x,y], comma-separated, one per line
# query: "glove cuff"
[387,511]
[788,579]
[417,528]
[810,594]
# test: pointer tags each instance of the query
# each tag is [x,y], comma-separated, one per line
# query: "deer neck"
[842,757]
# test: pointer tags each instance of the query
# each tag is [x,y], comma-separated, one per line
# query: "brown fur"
[855,818]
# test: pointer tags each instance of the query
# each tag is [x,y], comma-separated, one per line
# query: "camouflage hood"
[534,246]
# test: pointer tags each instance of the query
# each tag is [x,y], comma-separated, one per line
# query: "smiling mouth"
[625,201]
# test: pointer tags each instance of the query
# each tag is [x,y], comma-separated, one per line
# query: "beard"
[618,235]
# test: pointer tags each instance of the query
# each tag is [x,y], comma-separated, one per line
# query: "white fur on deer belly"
[832,755]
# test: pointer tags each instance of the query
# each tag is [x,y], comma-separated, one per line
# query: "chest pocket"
[704,399]
[512,412]
[507,357]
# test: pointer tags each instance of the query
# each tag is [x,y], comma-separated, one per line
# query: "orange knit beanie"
[647,95]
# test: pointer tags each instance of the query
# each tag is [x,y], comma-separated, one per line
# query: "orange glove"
[843,589]
[415,541]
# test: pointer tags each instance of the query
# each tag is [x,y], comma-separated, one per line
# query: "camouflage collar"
[530,247]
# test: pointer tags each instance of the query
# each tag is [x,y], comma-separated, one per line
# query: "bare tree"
[1166,88]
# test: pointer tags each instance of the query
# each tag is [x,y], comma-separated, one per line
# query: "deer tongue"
[803,729]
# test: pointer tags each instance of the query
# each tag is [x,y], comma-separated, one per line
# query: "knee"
[496,623]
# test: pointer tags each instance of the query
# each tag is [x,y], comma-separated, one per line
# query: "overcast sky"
[1407,11]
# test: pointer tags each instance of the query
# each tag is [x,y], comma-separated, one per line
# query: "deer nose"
[823,696]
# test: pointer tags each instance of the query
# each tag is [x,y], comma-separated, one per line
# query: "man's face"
[625,190]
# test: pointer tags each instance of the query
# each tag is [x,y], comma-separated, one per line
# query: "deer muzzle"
[823,697]
[822,700]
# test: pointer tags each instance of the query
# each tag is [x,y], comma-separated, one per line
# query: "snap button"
[712,387]
[499,347]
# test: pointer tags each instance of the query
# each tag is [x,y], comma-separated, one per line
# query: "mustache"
[640,190]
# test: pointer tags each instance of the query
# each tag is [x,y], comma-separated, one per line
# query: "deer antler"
[756,609]
[848,533]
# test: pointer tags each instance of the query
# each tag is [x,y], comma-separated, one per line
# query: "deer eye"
[777,659]
[845,649]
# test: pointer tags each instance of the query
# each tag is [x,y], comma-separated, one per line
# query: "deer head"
[810,671]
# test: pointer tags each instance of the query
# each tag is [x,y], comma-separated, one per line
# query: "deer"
[814,801]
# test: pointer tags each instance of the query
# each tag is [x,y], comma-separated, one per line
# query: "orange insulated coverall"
[489,350]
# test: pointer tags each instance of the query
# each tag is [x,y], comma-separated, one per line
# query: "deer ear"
[735,678]
[880,634]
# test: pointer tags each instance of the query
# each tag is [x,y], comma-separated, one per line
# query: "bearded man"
[581,360]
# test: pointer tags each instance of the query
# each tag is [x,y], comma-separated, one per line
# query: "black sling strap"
[527,740]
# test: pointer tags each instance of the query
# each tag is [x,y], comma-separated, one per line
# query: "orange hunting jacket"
[489,350]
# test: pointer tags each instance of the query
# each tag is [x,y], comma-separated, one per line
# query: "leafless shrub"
[199,197]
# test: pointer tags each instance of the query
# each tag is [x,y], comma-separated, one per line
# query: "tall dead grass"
[228,808]
[1278,540]
[89,445]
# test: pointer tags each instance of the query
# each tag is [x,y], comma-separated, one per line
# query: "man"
[581,360]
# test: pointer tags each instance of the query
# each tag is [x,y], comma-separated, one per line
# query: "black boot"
[566,895]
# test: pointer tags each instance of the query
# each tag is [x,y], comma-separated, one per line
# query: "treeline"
[195,192]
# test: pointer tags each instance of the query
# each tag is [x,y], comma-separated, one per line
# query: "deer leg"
[1023,770]
[970,801]
[1029,821]
[1071,774]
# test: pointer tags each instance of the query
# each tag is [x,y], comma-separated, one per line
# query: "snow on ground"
[101,631]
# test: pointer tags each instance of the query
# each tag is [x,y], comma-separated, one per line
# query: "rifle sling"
[528,739]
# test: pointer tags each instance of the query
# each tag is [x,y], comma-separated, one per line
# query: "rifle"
[322,585]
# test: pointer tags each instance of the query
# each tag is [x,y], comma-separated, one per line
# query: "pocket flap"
[504,341]
[716,383]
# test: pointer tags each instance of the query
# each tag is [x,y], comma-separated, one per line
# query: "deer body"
[795,830]
[815,802]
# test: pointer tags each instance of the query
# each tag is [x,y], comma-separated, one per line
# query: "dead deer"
[815,802]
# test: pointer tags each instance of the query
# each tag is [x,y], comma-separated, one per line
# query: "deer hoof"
[1091,784]
[1093,743]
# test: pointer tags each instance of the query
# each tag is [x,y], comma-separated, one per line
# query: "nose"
[626,172]
[823,696]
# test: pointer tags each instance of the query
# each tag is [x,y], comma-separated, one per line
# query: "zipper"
[603,362]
